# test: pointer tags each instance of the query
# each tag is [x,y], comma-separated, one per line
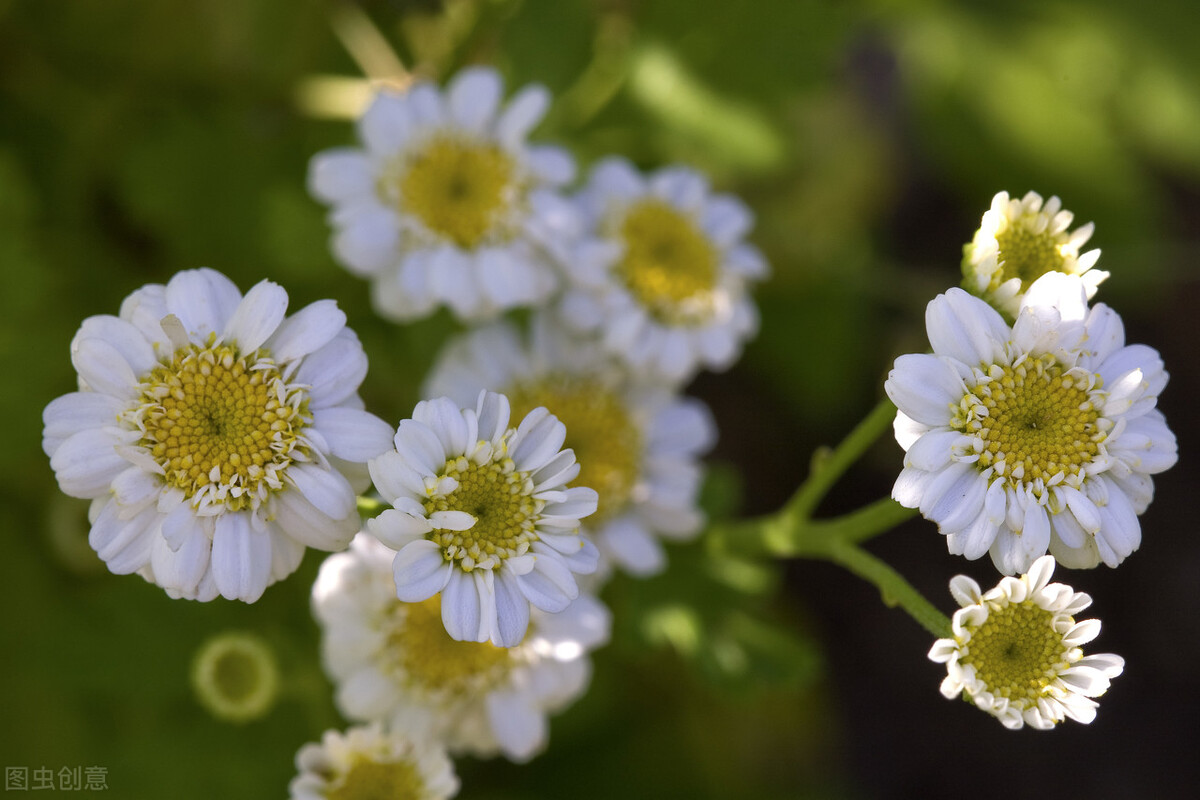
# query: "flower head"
[369,762]
[235,676]
[446,204]
[216,436]
[1019,241]
[1016,651]
[637,441]
[1042,436]
[661,272]
[393,661]
[482,515]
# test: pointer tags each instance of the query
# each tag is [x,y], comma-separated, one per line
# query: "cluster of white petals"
[1016,650]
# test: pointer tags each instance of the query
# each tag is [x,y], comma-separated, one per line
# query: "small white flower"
[394,661]
[1019,241]
[369,762]
[446,204]
[1042,436]
[1016,651]
[216,436]
[637,442]
[482,514]
[661,272]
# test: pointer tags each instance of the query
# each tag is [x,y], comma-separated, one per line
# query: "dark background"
[141,138]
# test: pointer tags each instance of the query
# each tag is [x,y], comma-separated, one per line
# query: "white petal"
[397,529]
[965,328]
[386,125]
[519,727]
[241,558]
[340,174]
[75,412]
[203,300]
[125,337]
[925,388]
[512,609]
[629,544]
[257,316]
[540,437]
[334,372]
[445,417]
[394,478]
[353,435]
[87,463]
[549,585]
[328,491]
[462,609]
[420,571]
[473,96]
[522,113]
[306,331]
[102,367]
[299,519]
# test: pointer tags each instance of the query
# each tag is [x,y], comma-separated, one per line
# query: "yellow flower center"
[425,655]
[606,441]
[223,426]
[1035,420]
[1028,254]
[670,266]
[1016,652]
[379,780]
[500,499]
[460,190]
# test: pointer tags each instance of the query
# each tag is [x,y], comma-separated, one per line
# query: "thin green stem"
[827,469]
[894,589]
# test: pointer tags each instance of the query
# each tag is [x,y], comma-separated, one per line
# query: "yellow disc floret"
[423,654]
[606,441]
[669,265]
[222,425]
[1028,253]
[369,779]
[459,189]
[1037,421]
[500,498]
[1017,652]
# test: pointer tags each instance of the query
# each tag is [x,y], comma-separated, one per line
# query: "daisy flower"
[483,516]
[637,442]
[369,762]
[661,272]
[394,661]
[445,203]
[1019,241]
[1042,436]
[1016,651]
[216,436]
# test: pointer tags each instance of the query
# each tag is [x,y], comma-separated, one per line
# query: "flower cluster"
[1031,428]
[218,437]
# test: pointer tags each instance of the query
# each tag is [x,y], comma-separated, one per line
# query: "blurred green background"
[141,138]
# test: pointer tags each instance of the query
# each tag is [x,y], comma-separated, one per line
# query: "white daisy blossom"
[445,203]
[368,762]
[483,516]
[1042,436]
[216,436]
[661,271]
[1016,651]
[1018,241]
[637,442]
[394,661]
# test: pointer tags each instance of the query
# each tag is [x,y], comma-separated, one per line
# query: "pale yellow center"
[1016,652]
[1039,422]
[1027,255]
[668,261]
[600,430]
[460,190]
[500,498]
[379,780]
[430,659]
[222,424]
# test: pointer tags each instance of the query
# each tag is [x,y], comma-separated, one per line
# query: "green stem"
[894,589]
[832,466]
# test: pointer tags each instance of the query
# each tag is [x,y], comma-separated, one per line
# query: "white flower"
[661,272]
[369,762]
[1016,651]
[482,514]
[394,661]
[217,436]
[637,442]
[1018,241]
[446,203]
[1040,436]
